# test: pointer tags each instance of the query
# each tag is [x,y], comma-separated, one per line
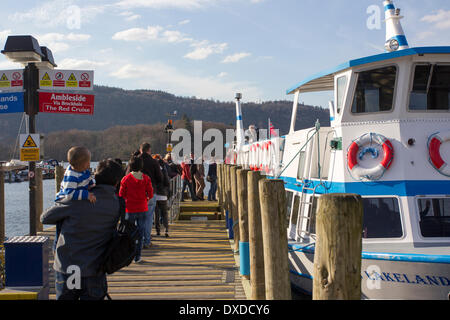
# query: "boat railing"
[315,130]
[173,201]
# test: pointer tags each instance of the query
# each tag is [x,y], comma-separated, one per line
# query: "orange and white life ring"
[354,153]
[434,145]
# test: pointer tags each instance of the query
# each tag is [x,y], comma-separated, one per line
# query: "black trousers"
[161,215]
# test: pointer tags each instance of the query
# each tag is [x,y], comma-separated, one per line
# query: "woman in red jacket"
[187,180]
[136,189]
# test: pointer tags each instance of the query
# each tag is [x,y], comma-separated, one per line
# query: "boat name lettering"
[411,279]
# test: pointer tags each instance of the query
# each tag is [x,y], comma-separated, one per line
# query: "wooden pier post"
[39,198]
[337,257]
[244,245]
[273,213]
[227,201]
[219,187]
[2,207]
[59,175]
[257,282]
[235,206]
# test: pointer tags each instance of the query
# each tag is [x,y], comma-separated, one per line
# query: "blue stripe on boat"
[404,257]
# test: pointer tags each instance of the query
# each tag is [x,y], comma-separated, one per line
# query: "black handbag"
[122,248]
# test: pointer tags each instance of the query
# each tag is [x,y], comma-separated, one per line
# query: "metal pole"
[31,77]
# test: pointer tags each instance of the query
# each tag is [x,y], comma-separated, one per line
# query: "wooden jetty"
[196,262]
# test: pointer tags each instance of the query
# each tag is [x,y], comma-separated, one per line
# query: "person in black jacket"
[161,195]
[212,179]
[193,167]
[152,169]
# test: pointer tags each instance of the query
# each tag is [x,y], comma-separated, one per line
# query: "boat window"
[375,90]
[289,195]
[381,218]
[434,214]
[301,165]
[431,88]
[341,87]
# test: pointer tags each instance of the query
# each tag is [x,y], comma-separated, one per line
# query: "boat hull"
[382,279]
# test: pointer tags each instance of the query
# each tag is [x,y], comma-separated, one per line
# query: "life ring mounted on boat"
[434,146]
[354,153]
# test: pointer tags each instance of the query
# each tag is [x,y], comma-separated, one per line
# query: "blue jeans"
[212,190]
[138,218]
[187,183]
[91,288]
[149,221]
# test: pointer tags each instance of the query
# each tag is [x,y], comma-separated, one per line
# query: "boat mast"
[239,123]
[395,37]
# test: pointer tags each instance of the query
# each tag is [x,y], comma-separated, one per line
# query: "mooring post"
[257,282]
[39,198]
[273,213]
[219,186]
[235,206]
[244,246]
[228,202]
[337,257]
[59,175]
[2,207]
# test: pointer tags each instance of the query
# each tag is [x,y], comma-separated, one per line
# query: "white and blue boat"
[389,141]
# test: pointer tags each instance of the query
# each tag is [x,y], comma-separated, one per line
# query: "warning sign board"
[11,80]
[30,147]
[66,80]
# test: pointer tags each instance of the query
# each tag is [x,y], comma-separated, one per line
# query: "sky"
[212,49]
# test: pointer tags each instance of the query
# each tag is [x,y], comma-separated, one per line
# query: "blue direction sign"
[11,102]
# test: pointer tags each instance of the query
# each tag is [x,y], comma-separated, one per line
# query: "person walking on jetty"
[162,192]
[187,180]
[77,181]
[193,168]
[136,188]
[199,177]
[151,169]
[212,179]
[86,232]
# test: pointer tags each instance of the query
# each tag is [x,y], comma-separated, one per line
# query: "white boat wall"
[389,141]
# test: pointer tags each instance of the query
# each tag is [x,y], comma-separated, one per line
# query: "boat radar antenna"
[395,37]
[239,123]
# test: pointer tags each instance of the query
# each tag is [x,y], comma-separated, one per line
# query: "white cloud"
[4,34]
[203,50]
[152,33]
[159,76]
[59,13]
[236,57]
[139,34]
[57,42]
[163,4]
[222,75]
[184,22]
[440,20]
[51,37]
[69,63]
[133,17]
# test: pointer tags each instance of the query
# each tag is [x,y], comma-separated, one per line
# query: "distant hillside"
[114,106]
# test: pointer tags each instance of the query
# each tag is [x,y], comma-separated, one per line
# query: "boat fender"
[376,172]
[434,145]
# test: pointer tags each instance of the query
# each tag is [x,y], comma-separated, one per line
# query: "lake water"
[17,216]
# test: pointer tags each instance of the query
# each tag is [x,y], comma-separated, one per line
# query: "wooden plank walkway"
[195,262]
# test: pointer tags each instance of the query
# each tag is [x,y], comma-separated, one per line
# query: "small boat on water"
[389,141]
